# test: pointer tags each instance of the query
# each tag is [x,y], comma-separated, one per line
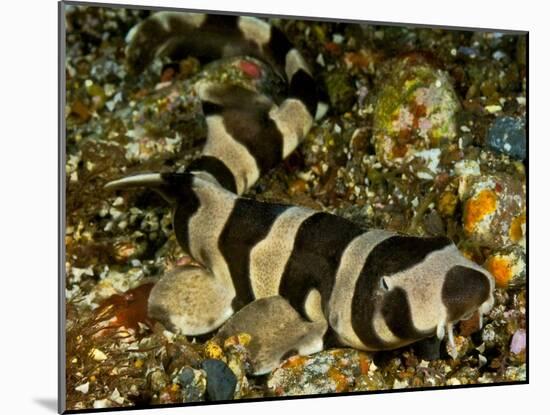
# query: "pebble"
[519,341]
[494,210]
[514,373]
[84,388]
[116,397]
[340,90]
[98,355]
[466,375]
[494,335]
[508,266]
[508,135]
[221,381]
[329,371]
[238,360]
[158,380]
[462,346]
[493,109]
[101,403]
[446,204]
[415,109]
[193,384]
[213,350]
[128,248]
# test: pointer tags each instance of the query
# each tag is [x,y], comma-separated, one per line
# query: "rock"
[221,381]
[186,375]
[494,209]
[508,266]
[340,90]
[212,350]
[179,353]
[193,384]
[80,110]
[433,224]
[446,204]
[494,336]
[236,356]
[373,380]
[329,371]
[113,282]
[170,394]
[84,388]
[516,374]
[98,355]
[465,168]
[297,186]
[101,403]
[158,380]
[116,397]
[465,375]
[239,365]
[468,52]
[238,360]
[462,346]
[415,109]
[469,326]
[508,135]
[519,341]
[126,249]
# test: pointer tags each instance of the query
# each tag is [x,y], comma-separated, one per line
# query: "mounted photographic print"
[271,207]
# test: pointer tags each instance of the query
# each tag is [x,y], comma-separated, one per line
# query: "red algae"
[127,310]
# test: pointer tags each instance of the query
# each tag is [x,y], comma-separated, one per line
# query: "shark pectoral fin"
[277,331]
[191,301]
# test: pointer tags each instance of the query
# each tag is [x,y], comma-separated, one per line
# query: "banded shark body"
[287,275]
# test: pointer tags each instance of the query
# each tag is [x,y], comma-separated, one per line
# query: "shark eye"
[384,283]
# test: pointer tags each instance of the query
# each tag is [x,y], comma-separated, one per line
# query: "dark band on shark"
[278,45]
[392,255]
[253,129]
[247,116]
[217,169]
[206,37]
[302,86]
[240,234]
[318,246]
[463,289]
[178,35]
[186,206]
[225,24]
[396,311]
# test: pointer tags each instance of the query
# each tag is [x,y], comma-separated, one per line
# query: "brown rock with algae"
[415,109]
[508,266]
[329,371]
[493,209]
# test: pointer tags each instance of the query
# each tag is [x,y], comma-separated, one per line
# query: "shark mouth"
[446,327]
